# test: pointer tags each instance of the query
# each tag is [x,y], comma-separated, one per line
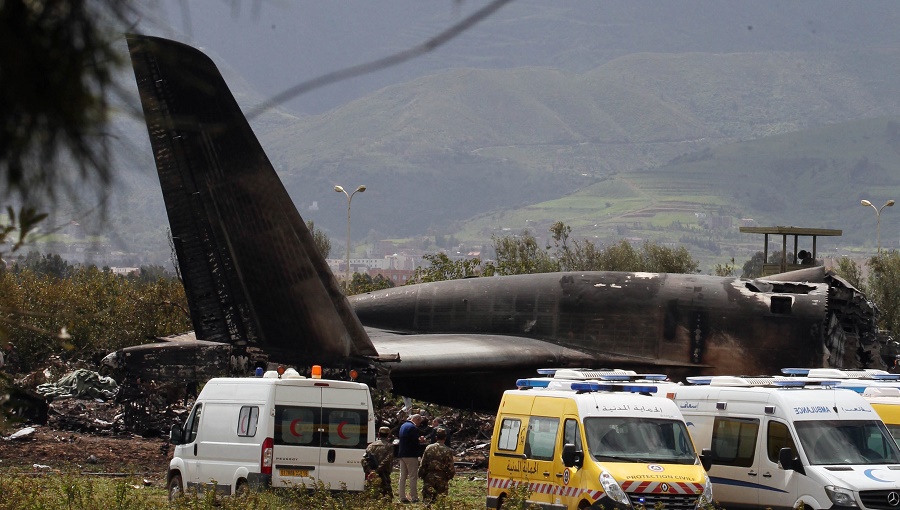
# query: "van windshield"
[639,440]
[847,442]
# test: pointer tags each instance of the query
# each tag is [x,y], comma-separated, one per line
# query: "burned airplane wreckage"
[260,292]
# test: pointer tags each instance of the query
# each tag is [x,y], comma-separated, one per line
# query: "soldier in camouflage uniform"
[436,468]
[381,451]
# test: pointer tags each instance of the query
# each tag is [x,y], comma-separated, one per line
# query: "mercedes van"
[776,443]
[273,431]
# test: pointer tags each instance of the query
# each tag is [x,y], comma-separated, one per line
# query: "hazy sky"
[275,44]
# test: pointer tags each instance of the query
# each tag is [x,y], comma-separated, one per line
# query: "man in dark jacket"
[408,454]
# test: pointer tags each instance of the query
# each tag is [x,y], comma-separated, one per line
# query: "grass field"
[24,491]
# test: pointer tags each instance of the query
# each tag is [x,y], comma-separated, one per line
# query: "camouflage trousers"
[431,490]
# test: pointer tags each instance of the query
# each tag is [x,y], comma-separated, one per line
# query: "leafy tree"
[441,268]
[152,272]
[50,264]
[884,288]
[849,270]
[323,243]
[86,311]
[363,283]
[522,255]
[661,259]
[724,270]
[753,268]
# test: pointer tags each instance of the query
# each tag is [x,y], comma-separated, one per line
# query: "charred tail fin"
[250,267]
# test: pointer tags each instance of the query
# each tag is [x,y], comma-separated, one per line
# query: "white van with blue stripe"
[776,443]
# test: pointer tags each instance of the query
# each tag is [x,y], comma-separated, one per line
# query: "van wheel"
[501,499]
[241,489]
[175,489]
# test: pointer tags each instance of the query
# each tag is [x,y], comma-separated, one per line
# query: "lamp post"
[340,189]
[866,203]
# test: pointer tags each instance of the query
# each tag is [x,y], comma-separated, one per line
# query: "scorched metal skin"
[259,291]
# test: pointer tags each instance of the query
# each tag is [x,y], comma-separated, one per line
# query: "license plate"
[293,472]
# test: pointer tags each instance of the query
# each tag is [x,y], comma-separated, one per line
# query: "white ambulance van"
[783,443]
[880,388]
[582,439]
[273,431]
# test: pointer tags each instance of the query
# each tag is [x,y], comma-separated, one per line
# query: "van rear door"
[320,436]
[345,417]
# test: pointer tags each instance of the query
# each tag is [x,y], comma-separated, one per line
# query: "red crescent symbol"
[294,423]
[340,430]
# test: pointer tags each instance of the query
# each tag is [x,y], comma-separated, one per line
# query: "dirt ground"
[51,450]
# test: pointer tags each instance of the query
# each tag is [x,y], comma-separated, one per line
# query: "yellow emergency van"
[886,402]
[585,439]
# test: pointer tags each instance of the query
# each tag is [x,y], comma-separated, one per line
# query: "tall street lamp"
[877,218]
[340,189]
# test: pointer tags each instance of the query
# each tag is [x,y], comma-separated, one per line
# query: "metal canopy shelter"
[788,264]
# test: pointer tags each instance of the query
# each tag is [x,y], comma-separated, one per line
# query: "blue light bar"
[549,372]
[790,384]
[795,371]
[800,383]
[633,377]
[615,377]
[886,377]
[594,386]
[700,380]
[532,383]
[858,389]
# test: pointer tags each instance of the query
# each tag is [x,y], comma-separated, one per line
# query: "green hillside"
[812,178]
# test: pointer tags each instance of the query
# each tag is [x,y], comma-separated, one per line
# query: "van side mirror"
[786,459]
[572,457]
[706,458]
[176,434]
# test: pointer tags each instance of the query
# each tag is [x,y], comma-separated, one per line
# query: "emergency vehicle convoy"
[582,438]
[277,430]
[777,442]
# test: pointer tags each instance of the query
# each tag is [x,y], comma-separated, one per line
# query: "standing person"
[438,423]
[408,453]
[379,459]
[437,468]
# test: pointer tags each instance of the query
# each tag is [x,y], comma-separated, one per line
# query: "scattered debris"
[21,434]
[81,383]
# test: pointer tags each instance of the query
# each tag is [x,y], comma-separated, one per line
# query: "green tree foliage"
[884,288]
[656,258]
[323,243]
[753,268]
[584,255]
[849,270]
[441,268]
[363,283]
[724,270]
[522,254]
[89,310]
[49,264]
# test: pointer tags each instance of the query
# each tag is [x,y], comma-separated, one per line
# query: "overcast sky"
[276,44]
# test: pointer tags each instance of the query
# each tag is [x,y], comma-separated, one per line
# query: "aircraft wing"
[455,352]
[469,371]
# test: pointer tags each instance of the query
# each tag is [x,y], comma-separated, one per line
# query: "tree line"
[50,307]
